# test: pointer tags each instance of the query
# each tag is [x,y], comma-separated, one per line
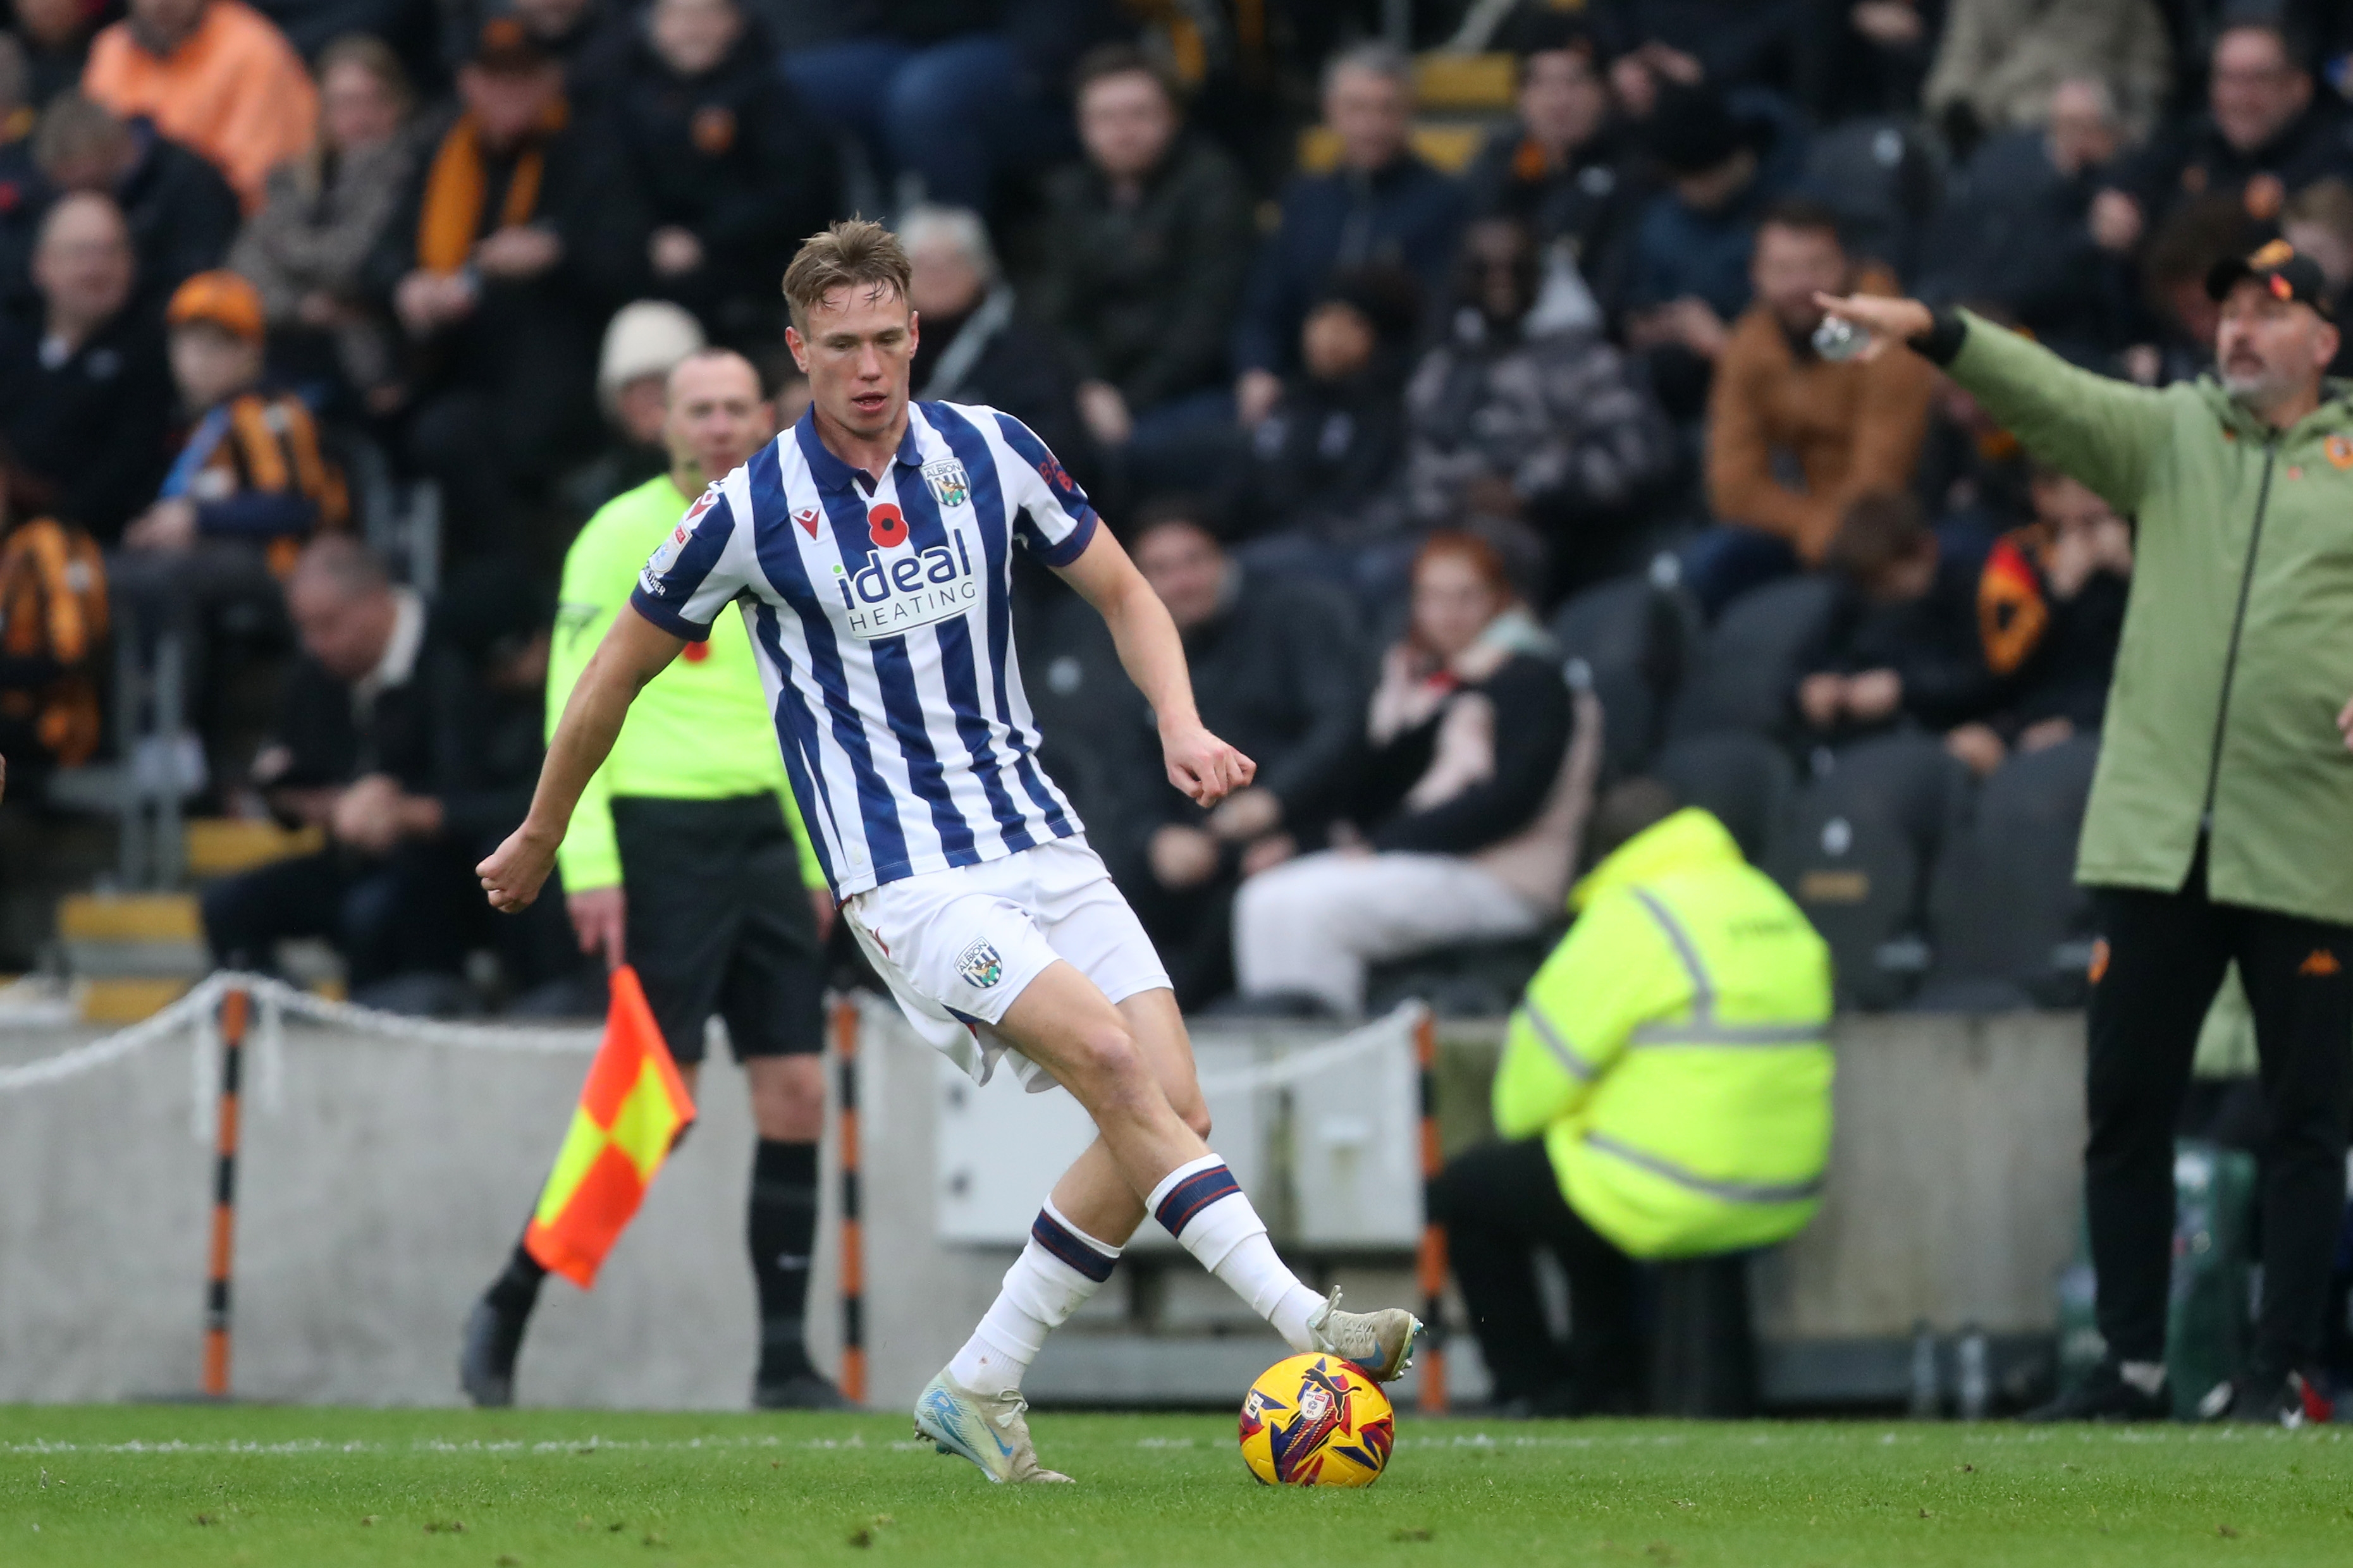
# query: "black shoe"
[2267,1400]
[487,1358]
[801,1390]
[2105,1397]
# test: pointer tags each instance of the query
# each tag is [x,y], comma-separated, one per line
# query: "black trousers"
[2164,956]
[1502,1205]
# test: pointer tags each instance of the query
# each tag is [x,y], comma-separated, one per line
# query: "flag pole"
[1429,1396]
[853,1247]
[235,1006]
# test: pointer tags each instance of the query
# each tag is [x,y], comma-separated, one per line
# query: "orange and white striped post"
[1429,1264]
[236,1009]
[853,1241]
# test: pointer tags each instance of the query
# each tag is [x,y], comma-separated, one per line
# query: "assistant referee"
[686,858]
[2220,822]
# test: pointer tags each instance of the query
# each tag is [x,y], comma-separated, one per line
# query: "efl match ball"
[1317,1421]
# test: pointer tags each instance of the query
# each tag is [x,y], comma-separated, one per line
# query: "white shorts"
[958,946]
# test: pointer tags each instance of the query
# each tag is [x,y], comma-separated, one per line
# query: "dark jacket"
[1408,215]
[2015,232]
[1736,41]
[1327,457]
[568,302]
[1276,673]
[994,355]
[1531,735]
[183,215]
[727,156]
[1591,200]
[440,734]
[1141,296]
[1932,642]
[96,426]
[2190,158]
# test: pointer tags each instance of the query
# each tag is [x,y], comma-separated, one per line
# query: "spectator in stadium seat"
[251,483]
[2051,609]
[954,93]
[1901,643]
[1277,667]
[1849,428]
[713,172]
[416,752]
[2318,221]
[1867,58]
[21,186]
[1543,432]
[1688,268]
[85,393]
[2015,231]
[1465,802]
[588,37]
[2173,267]
[1152,236]
[645,340]
[214,74]
[2000,63]
[1563,167]
[1382,205]
[183,215]
[1322,468]
[2266,132]
[56,36]
[484,267]
[976,346]
[324,214]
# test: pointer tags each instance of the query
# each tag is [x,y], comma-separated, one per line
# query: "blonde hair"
[847,253]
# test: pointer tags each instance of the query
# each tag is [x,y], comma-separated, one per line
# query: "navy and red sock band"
[1070,1248]
[1197,1192]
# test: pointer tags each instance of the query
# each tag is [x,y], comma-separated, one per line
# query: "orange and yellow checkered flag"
[632,1109]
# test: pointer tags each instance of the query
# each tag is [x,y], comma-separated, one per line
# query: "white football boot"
[1381,1343]
[987,1429]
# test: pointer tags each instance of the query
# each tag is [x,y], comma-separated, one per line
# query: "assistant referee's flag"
[632,1109]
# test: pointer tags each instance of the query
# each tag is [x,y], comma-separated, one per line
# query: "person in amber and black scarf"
[485,268]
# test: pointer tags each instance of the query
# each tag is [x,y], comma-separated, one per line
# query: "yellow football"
[1317,1421]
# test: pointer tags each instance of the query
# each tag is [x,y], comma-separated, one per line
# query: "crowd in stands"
[1399,434]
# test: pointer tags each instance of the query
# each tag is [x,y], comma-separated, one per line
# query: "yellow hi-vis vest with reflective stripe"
[1673,1051]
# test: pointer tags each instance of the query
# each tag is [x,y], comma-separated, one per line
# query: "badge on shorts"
[947,481]
[980,966]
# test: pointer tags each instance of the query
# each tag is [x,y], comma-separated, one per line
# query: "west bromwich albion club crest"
[949,483]
[980,966]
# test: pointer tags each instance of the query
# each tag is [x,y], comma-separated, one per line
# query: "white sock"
[1203,1207]
[1057,1271]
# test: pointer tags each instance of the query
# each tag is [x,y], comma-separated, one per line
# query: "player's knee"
[1107,1054]
[1194,1115]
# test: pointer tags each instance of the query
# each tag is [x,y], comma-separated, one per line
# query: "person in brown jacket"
[1792,438]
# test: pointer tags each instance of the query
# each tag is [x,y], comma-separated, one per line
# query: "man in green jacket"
[2220,822]
[672,863]
[1664,1093]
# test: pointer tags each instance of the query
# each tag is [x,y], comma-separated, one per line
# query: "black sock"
[516,1290]
[781,1226]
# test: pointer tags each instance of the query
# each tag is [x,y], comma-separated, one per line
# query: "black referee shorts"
[719,922]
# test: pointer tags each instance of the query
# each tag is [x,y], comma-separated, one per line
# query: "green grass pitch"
[145,1487]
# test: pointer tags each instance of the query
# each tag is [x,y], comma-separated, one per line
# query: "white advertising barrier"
[1332,1128]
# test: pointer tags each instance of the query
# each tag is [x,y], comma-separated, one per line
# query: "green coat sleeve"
[591,596]
[1611,973]
[2106,433]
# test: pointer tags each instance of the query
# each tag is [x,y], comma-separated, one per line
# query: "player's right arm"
[633,652]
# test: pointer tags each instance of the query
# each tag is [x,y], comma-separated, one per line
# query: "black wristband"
[1941,344]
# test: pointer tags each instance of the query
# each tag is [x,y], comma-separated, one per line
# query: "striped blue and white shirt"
[880,614]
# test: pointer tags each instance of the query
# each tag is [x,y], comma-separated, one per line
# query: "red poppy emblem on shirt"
[886,526]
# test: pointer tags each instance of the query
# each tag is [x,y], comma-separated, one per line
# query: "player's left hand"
[1203,767]
[517,869]
[2345,724]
